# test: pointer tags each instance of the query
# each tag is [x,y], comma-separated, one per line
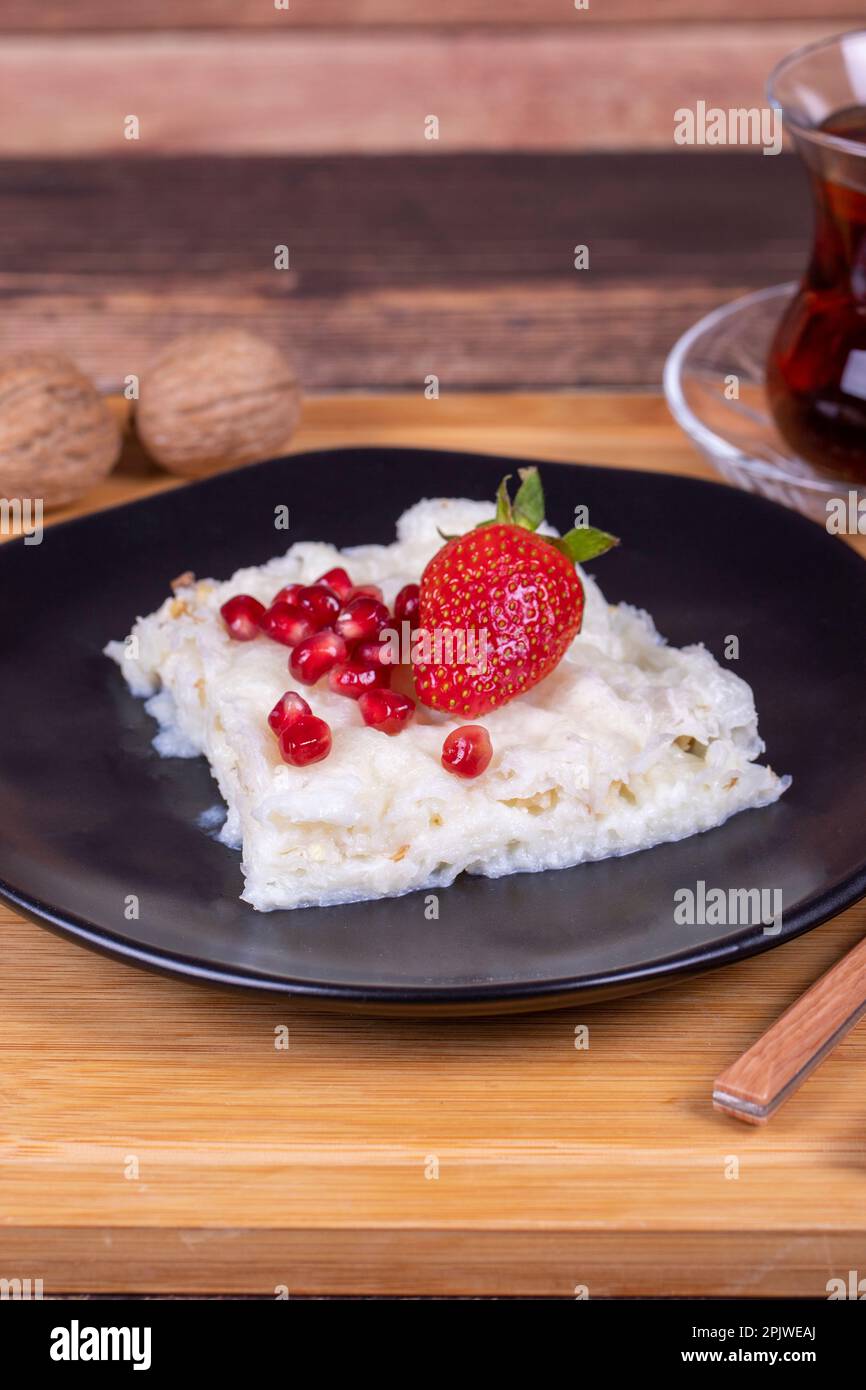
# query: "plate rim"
[670,971]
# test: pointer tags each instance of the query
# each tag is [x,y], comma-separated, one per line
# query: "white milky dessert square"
[384,718]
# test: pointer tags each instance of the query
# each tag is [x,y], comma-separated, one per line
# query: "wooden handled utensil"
[754,1086]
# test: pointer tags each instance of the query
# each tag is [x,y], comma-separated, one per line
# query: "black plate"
[91,815]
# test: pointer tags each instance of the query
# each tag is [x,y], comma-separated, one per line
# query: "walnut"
[216,400]
[57,435]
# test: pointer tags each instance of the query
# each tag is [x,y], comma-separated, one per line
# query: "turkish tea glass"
[816,370]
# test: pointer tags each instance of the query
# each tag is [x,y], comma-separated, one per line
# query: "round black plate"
[92,816]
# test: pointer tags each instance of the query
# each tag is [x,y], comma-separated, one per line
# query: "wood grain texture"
[768,1072]
[460,266]
[558,1167]
[24,15]
[621,431]
[596,87]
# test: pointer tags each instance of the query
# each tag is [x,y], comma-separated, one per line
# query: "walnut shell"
[57,435]
[216,400]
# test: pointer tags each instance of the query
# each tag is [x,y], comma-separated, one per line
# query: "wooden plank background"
[182,14]
[409,257]
[602,87]
[461,266]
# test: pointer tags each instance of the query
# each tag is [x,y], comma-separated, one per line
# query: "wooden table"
[154,1139]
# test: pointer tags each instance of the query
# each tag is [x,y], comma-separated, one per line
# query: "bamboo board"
[154,1139]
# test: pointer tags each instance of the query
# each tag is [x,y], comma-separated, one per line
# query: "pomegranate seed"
[374,654]
[288,594]
[287,623]
[321,603]
[352,678]
[467,751]
[339,581]
[316,655]
[386,710]
[364,591]
[362,619]
[241,616]
[307,740]
[407,603]
[288,708]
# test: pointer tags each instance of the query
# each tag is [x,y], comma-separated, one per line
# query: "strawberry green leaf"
[585,543]
[529,501]
[503,501]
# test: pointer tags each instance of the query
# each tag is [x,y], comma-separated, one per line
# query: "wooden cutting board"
[154,1137]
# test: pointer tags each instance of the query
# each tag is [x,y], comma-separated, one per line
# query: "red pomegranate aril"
[338,581]
[321,603]
[305,741]
[362,619]
[290,707]
[406,604]
[315,656]
[386,710]
[352,678]
[241,615]
[364,591]
[373,654]
[288,594]
[467,751]
[287,623]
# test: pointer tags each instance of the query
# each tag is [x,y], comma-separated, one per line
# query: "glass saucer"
[723,354]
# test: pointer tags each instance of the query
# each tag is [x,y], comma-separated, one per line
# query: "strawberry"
[513,596]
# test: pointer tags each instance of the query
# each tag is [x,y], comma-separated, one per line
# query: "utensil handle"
[773,1067]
